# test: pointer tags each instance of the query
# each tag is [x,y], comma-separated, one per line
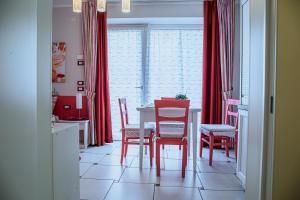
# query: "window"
[150,62]
[125,69]
[175,64]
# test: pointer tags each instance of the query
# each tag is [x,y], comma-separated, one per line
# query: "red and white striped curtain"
[226,10]
[89,35]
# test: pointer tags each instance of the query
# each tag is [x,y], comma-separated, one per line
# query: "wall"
[286,176]
[25,55]
[67,28]
[155,10]
[236,62]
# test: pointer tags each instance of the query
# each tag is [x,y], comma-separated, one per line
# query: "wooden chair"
[225,133]
[171,111]
[131,132]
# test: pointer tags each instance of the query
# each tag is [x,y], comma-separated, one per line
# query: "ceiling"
[69,2]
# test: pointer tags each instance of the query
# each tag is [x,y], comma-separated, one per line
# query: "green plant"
[181,97]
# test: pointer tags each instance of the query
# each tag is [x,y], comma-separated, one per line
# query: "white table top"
[72,121]
[151,108]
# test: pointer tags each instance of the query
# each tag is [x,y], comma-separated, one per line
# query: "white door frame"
[262,89]
[271,80]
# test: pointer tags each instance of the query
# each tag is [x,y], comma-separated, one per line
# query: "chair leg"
[226,147]
[122,152]
[151,150]
[211,149]
[201,145]
[157,159]
[126,148]
[184,160]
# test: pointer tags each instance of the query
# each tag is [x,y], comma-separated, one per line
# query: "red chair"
[225,134]
[131,132]
[171,111]
[170,124]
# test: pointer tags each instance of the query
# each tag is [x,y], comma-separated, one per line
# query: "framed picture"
[80,89]
[59,62]
[80,82]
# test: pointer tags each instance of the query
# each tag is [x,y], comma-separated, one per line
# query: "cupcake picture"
[59,62]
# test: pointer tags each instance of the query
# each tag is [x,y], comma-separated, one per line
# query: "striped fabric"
[226,27]
[89,40]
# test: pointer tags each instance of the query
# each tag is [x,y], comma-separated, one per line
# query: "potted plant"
[181,97]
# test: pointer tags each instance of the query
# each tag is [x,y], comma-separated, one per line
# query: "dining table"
[147,114]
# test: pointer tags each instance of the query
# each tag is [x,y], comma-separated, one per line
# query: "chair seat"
[218,130]
[167,124]
[171,132]
[133,130]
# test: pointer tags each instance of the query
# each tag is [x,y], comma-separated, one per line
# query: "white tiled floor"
[102,177]
[126,191]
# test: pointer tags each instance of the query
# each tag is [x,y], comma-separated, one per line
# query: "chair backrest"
[168,98]
[172,111]
[123,112]
[231,112]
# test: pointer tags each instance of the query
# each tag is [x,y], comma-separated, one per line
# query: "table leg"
[85,135]
[142,124]
[195,130]
[189,134]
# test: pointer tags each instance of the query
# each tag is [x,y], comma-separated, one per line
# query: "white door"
[243,113]
[125,73]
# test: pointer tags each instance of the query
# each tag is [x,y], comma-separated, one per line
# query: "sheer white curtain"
[125,68]
[174,64]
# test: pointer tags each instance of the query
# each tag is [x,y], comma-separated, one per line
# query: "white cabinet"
[65,161]
[242,145]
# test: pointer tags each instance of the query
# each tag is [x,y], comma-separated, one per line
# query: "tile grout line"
[85,171]
[122,174]
[198,175]
[154,192]
[200,194]
[108,190]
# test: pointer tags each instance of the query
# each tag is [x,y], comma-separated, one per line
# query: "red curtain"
[211,87]
[102,99]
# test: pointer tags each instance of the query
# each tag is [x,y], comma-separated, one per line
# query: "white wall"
[152,10]
[236,62]
[25,168]
[67,28]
